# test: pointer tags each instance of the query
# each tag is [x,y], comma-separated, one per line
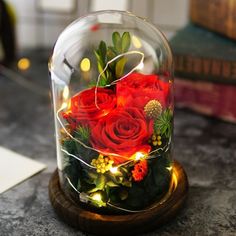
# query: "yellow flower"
[102,164]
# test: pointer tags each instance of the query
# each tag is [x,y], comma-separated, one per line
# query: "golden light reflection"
[85,65]
[65,93]
[140,66]
[114,170]
[175,180]
[63,106]
[138,155]
[23,64]
[136,42]
[97,197]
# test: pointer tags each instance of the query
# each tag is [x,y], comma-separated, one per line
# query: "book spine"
[207,98]
[217,15]
[208,69]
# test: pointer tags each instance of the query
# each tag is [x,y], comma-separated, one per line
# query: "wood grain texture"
[127,224]
[216,15]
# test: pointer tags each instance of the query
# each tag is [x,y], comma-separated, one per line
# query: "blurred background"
[38,22]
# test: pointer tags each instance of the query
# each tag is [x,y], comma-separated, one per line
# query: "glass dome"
[111,75]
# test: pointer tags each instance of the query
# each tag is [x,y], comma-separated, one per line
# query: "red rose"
[136,90]
[83,109]
[122,133]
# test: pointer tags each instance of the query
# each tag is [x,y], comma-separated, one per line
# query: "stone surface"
[204,146]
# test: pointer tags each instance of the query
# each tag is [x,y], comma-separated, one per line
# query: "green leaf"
[112,184]
[96,52]
[120,67]
[127,183]
[91,174]
[103,81]
[106,53]
[111,52]
[125,41]
[103,50]
[100,182]
[100,69]
[116,41]
[110,55]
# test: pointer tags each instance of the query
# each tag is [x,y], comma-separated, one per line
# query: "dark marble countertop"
[205,147]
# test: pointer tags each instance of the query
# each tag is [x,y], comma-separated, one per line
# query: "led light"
[85,65]
[138,156]
[169,168]
[140,66]
[97,197]
[64,105]
[114,170]
[23,64]
[65,93]
[136,42]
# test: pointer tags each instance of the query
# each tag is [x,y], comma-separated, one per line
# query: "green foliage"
[163,124]
[106,53]
[154,185]
[119,189]
[82,133]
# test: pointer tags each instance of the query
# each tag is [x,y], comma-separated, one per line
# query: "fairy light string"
[113,169]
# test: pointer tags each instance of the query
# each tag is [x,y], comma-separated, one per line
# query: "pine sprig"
[82,133]
[104,53]
[163,123]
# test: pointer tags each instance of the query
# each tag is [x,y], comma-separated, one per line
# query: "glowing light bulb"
[23,64]
[85,65]
[140,66]
[138,155]
[64,105]
[136,42]
[114,170]
[169,168]
[97,197]
[65,93]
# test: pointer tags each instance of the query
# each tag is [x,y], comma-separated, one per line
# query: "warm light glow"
[23,64]
[114,170]
[85,65]
[175,180]
[64,105]
[140,66]
[138,155]
[97,197]
[136,42]
[66,93]
[169,168]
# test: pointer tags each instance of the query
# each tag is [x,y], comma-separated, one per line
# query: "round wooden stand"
[127,224]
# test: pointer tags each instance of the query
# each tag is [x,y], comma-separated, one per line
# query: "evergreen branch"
[83,133]
[163,124]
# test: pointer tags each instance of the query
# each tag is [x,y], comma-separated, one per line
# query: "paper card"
[15,168]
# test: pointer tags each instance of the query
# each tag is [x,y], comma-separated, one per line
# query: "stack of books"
[205,59]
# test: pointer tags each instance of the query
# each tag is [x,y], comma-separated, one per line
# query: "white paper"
[15,168]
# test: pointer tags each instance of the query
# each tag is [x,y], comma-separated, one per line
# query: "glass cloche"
[111,75]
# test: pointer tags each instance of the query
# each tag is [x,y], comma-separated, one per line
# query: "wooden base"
[128,224]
